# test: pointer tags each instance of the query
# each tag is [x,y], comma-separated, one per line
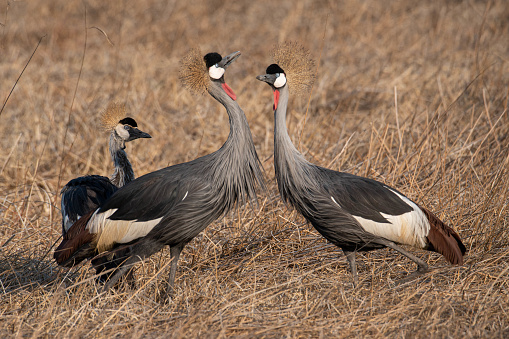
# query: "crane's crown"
[212,58]
[298,65]
[113,114]
[274,69]
[128,121]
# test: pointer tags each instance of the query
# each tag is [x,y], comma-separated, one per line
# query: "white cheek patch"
[280,81]
[122,132]
[216,72]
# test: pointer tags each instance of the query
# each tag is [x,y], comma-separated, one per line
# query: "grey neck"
[289,164]
[239,127]
[237,165]
[123,173]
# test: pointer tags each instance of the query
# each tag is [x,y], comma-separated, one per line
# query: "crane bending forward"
[352,212]
[172,205]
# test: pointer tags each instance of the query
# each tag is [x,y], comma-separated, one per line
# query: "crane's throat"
[276,99]
[229,91]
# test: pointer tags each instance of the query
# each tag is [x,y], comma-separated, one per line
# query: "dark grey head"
[275,76]
[127,130]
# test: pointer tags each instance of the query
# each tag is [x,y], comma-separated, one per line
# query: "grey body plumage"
[309,189]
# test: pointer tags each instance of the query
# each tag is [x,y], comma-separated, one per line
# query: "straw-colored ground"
[411,93]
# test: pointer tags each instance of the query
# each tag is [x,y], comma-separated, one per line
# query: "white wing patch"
[185,195]
[410,228]
[110,231]
[335,201]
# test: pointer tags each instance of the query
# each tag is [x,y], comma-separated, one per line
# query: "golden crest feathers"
[112,115]
[297,63]
[193,71]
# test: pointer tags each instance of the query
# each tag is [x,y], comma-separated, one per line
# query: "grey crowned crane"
[84,194]
[171,206]
[352,212]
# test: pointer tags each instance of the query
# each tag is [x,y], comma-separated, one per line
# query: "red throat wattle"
[276,99]
[229,91]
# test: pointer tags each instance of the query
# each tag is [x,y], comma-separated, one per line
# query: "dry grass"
[411,93]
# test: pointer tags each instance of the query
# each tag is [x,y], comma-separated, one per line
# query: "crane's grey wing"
[168,203]
[363,197]
[83,195]
[151,196]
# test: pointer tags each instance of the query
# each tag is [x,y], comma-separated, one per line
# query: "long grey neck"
[237,162]
[123,173]
[289,164]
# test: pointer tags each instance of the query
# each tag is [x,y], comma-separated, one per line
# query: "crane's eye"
[277,75]
[126,127]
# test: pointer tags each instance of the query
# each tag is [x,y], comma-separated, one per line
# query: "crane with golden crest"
[171,206]
[352,212]
[82,195]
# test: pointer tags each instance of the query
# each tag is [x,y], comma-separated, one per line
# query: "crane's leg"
[175,255]
[422,267]
[126,266]
[138,252]
[106,266]
[350,256]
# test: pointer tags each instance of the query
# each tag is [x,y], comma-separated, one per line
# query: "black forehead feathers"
[273,69]
[212,58]
[128,121]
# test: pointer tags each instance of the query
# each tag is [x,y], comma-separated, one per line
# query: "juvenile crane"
[172,205]
[352,212]
[84,194]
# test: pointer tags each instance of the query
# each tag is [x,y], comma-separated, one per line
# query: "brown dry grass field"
[410,93]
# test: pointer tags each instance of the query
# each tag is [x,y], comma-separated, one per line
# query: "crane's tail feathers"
[76,245]
[444,240]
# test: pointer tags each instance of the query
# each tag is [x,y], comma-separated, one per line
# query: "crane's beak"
[135,133]
[227,60]
[271,79]
[268,78]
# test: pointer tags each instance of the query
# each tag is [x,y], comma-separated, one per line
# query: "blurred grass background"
[410,93]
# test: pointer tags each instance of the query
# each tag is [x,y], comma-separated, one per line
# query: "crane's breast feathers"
[410,227]
[109,232]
